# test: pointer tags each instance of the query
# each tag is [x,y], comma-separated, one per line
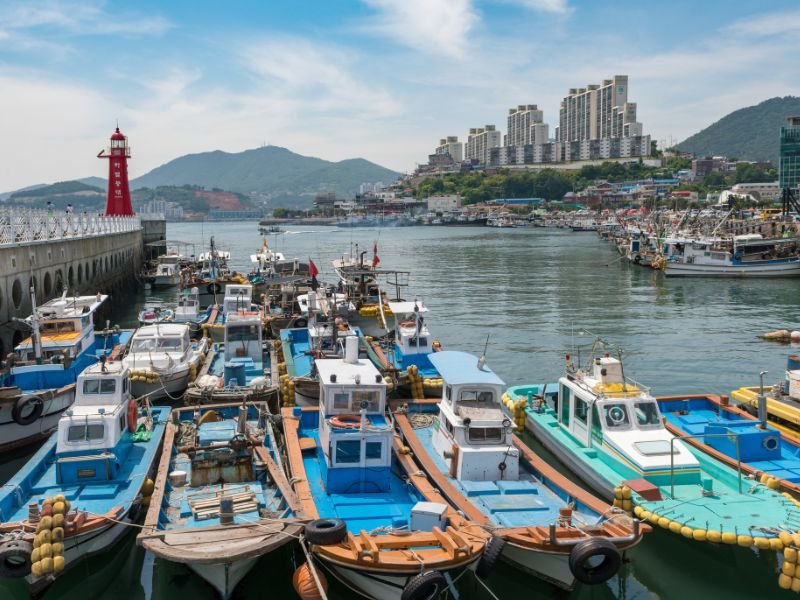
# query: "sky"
[378,79]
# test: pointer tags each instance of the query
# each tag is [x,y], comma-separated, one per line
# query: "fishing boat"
[782,399]
[301,348]
[38,383]
[239,368]
[608,429]
[166,273]
[408,354]
[221,498]
[543,524]
[749,255]
[188,311]
[237,299]
[156,314]
[163,360]
[736,437]
[78,494]
[379,526]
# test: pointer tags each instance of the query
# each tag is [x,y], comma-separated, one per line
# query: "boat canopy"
[458,368]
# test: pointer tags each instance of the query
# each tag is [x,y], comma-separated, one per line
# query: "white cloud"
[558,7]
[431,26]
[766,25]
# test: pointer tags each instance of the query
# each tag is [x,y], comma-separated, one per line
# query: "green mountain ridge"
[751,133]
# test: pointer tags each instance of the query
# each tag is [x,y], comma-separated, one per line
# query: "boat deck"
[361,510]
[252,368]
[526,502]
[37,480]
[402,361]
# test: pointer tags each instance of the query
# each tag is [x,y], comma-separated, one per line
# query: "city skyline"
[377,79]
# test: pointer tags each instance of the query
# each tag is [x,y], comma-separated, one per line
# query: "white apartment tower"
[526,126]
[450,145]
[480,141]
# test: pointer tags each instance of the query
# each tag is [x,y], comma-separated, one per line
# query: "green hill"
[750,133]
[268,170]
[62,188]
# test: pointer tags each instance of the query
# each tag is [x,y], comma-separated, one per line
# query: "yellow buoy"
[764,478]
[45,523]
[745,541]
[785,537]
[775,544]
[686,531]
[47,565]
[57,535]
[58,549]
[45,536]
[645,515]
[638,510]
[796,585]
[713,536]
[699,535]
[35,555]
[774,483]
[790,555]
[59,508]
[788,569]
[761,543]
[796,539]
[626,492]
[36,571]
[58,521]
[728,538]
[675,527]
[784,581]
[45,550]
[58,564]
[304,584]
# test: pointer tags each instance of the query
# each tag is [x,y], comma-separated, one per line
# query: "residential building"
[703,167]
[480,140]
[526,126]
[450,145]
[444,203]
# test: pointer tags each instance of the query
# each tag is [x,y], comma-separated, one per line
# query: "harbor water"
[531,292]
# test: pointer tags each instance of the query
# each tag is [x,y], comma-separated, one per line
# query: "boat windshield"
[99,386]
[646,413]
[156,344]
[616,415]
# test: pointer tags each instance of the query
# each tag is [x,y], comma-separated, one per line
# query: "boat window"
[373,450]
[566,399]
[597,426]
[646,413]
[348,451]
[341,401]
[372,399]
[170,343]
[242,332]
[124,385]
[99,386]
[485,435]
[581,410]
[86,432]
[615,415]
[449,393]
[122,422]
[53,327]
[476,396]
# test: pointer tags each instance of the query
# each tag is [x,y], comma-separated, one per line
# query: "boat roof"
[406,307]
[346,372]
[161,330]
[462,367]
[65,307]
[112,368]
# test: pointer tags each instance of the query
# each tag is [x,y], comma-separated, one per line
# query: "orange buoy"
[304,584]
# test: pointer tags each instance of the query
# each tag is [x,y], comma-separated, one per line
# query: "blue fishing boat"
[221,498]
[608,429]
[379,526]
[78,494]
[39,382]
[736,437]
[237,299]
[238,369]
[300,348]
[543,523]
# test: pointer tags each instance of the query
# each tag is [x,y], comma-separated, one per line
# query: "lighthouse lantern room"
[118,198]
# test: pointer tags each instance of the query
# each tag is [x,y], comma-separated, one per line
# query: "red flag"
[375,260]
[312,268]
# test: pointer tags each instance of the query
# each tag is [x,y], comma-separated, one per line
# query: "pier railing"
[19,226]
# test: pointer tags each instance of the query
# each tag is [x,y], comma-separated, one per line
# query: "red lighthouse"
[118,199]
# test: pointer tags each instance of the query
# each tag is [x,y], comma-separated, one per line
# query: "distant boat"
[81,491]
[39,384]
[156,314]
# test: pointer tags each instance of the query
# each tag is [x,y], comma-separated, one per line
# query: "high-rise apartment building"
[480,141]
[450,145]
[789,166]
[526,126]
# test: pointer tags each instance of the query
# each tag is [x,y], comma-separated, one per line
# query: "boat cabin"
[411,335]
[354,433]
[606,411]
[188,308]
[164,338]
[244,347]
[474,435]
[238,298]
[94,434]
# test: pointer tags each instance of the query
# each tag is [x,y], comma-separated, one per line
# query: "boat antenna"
[482,359]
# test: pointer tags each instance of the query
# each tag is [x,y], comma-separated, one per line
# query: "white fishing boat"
[743,256]
[163,360]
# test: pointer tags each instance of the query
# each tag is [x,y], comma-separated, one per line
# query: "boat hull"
[13,435]
[552,567]
[170,386]
[778,269]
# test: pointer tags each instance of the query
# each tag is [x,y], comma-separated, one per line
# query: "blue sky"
[380,79]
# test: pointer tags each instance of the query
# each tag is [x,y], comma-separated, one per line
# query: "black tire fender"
[25,403]
[593,548]
[428,585]
[326,532]
[300,323]
[491,554]
[214,288]
[15,558]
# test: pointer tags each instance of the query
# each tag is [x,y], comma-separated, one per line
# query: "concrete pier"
[81,253]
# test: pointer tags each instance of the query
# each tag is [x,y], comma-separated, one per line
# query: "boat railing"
[698,436]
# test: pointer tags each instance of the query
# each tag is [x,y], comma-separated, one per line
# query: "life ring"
[15,558]
[591,550]
[325,532]
[300,323]
[425,585]
[28,402]
[348,421]
[214,288]
[133,415]
[491,554]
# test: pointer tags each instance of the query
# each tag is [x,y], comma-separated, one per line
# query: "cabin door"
[580,421]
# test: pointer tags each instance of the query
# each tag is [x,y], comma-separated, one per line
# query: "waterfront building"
[444,203]
[480,141]
[789,166]
[450,145]
[759,191]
